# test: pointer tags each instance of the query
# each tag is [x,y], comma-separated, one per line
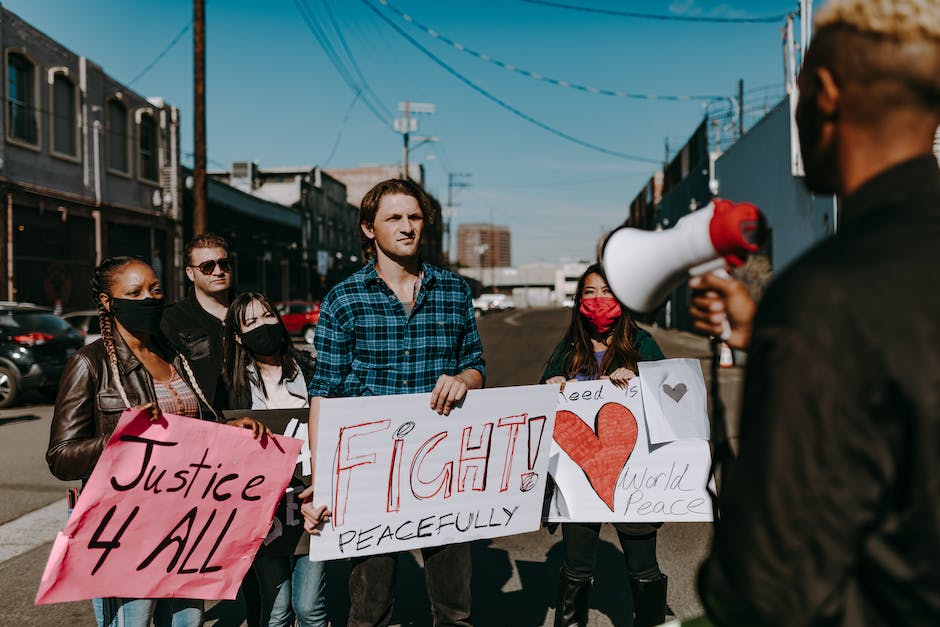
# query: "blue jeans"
[114,612]
[291,586]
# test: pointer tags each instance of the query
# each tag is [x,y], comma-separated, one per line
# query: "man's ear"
[190,274]
[828,95]
[368,229]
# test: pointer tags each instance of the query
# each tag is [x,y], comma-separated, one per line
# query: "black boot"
[649,601]
[571,608]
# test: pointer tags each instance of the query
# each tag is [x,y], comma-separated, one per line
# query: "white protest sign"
[606,470]
[399,476]
[674,400]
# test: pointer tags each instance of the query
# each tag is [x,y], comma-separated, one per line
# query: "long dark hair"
[579,352]
[237,358]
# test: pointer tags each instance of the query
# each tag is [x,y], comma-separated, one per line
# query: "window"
[22,113]
[64,116]
[148,168]
[118,158]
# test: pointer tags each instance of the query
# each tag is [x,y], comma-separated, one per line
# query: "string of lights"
[489,96]
[510,67]
[664,17]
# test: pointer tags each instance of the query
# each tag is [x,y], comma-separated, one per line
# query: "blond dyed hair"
[899,20]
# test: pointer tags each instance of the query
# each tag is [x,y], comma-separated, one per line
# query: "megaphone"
[643,267]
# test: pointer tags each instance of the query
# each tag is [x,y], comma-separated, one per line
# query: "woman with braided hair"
[131,366]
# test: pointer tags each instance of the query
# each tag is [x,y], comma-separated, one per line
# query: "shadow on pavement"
[24,418]
[528,602]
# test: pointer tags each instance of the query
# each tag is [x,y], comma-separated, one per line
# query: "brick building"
[486,245]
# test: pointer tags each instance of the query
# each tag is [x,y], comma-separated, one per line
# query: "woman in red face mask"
[603,342]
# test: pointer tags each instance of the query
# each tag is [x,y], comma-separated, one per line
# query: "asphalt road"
[514,578]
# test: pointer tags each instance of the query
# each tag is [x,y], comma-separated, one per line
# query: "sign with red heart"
[602,452]
[605,468]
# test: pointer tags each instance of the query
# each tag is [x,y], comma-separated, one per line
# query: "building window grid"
[65,122]
[148,148]
[22,109]
[118,131]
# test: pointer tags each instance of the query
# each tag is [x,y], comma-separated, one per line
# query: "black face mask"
[264,340]
[138,315]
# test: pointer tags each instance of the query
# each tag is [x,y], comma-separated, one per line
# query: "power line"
[352,59]
[483,92]
[769,19]
[313,26]
[342,127]
[431,32]
[160,56]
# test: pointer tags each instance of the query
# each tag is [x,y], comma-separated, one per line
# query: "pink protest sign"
[175,508]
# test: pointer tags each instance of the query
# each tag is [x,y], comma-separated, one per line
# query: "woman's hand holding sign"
[258,428]
[152,409]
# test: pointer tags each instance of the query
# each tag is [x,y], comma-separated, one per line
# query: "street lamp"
[407,125]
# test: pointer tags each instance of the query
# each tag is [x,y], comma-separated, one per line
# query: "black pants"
[447,572]
[581,551]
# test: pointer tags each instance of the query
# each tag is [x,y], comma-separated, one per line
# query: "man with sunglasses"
[194,324]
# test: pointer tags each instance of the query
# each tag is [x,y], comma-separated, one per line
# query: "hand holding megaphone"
[723,307]
[644,267]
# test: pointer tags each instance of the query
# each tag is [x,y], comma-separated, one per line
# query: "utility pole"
[200,188]
[481,250]
[406,125]
[450,211]
[740,108]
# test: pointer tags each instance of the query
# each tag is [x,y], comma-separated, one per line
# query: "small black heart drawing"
[675,393]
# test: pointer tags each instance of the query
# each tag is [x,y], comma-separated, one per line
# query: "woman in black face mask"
[263,371]
[132,365]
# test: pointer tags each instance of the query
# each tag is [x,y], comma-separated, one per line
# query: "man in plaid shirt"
[399,326]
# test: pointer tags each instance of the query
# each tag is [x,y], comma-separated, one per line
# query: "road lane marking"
[513,319]
[31,530]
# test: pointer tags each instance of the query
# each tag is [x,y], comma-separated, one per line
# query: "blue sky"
[274,97]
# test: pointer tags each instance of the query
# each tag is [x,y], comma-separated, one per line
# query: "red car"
[300,317]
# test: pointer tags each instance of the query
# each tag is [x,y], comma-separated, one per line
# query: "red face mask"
[601,313]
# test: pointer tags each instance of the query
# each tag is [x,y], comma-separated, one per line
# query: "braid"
[101,284]
[107,336]
[195,384]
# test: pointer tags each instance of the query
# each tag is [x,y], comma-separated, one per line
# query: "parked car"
[300,317]
[34,346]
[492,302]
[86,322]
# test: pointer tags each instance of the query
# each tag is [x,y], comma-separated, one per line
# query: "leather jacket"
[89,405]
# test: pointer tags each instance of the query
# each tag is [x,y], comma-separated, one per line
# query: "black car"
[34,346]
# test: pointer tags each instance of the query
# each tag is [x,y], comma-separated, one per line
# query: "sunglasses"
[208,267]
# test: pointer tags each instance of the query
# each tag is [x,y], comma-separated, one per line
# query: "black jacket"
[831,514]
[306,363]
[198,334]
[89,405]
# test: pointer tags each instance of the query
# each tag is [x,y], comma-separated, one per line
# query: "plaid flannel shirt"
[367,345]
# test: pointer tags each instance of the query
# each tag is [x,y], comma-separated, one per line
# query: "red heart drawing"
[603,452]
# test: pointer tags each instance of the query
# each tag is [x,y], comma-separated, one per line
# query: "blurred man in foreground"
[831,514]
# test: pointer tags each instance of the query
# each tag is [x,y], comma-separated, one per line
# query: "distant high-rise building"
[486,245]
